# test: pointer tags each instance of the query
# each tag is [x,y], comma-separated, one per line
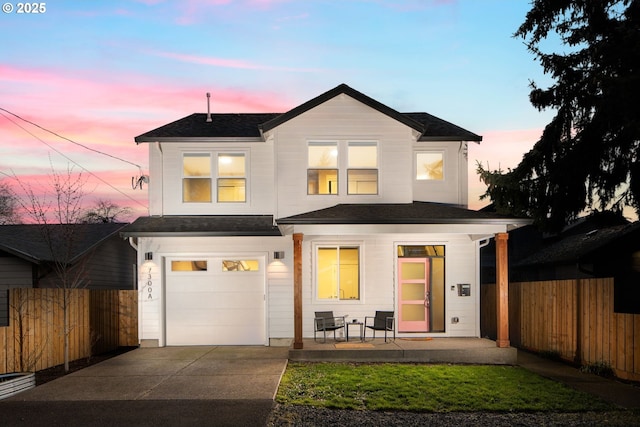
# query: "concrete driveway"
[159,386]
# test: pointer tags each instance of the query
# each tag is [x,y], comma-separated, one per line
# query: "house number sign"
[149,286]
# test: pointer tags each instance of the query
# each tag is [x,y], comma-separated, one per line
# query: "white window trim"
[214,176]
[415,166]
[314,269]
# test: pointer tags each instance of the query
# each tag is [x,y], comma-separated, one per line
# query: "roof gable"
[195,127]
[338,90]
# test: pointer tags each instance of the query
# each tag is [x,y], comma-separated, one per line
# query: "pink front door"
[413,294]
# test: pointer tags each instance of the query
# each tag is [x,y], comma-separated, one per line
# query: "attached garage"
[216,300]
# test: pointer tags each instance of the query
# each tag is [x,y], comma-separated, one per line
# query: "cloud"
[226,63]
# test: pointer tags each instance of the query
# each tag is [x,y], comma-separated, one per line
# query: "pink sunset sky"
[101,73]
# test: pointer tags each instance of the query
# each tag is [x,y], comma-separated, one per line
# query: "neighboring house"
[588,252]
[27,260]
[342,203]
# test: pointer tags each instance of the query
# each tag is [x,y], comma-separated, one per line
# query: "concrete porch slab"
[424,350]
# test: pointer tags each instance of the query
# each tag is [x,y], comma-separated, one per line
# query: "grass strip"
[429,388]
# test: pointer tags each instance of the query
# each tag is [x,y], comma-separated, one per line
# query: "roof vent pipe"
[208,108]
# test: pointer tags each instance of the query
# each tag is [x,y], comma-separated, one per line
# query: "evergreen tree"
[588,156]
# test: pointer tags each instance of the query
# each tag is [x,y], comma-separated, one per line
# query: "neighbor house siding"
[15,272]
[341,119]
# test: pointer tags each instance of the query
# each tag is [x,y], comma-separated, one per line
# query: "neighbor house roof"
[251,125]
[29,241]
[209,225]
[575,247]
[399,213]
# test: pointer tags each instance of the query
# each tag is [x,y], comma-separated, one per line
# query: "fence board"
[35,335]
[572,317]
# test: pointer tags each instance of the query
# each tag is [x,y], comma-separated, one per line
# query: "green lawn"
[429,388]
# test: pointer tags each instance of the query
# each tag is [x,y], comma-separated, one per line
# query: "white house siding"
[453,188]
[341,119]
[279,278]
[378,280]
[165,197]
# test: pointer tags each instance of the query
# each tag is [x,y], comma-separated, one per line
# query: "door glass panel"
[437,294]
[412,271]
[413,313]
[413,291]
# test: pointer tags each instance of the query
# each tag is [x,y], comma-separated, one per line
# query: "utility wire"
[67,157]
[67,139]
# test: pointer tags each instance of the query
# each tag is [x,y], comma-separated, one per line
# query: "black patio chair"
[382,321]
[326,321]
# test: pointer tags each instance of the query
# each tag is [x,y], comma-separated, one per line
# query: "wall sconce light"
[278,255]
[148,256]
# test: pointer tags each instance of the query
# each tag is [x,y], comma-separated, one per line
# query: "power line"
[67,157]
[65,138]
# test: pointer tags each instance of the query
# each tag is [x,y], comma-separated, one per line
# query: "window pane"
[322,181]
[231,165]
[196,164]
[241,265]
[362,181]
[363,155]
[430,166]
[231,190]
[349,273]
[327,273]
[196,190]
[188,265]
[323,155]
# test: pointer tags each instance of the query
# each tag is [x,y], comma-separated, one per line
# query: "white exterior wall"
[341,119]
[379,282]
[279,278]
[454,187]
[165,187]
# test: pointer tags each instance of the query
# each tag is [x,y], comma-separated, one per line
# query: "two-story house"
[342,203]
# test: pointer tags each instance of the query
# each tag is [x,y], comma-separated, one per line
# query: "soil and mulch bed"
[54,372]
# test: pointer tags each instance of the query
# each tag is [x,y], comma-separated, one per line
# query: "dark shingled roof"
[399,213]
[246,125]
[251,125]
[27,241]
[575,247]
[208,225]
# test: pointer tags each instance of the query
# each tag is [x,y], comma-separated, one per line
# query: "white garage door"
[215,300]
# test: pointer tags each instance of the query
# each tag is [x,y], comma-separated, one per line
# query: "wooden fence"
[100,321]
[572,318]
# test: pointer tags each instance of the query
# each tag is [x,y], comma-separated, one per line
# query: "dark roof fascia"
[342,89]
[448,138]
[20,254]
[140,140]
[126,234]
[412,221]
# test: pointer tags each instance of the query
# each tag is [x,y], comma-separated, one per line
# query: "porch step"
[471,352]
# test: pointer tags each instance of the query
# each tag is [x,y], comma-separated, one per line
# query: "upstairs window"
[196,177]
[322,172]
[232,181]
[362,172]
[430,166]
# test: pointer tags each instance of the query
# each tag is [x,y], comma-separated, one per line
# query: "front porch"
[409,350]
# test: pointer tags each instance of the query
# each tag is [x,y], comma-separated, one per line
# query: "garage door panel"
[215,307]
